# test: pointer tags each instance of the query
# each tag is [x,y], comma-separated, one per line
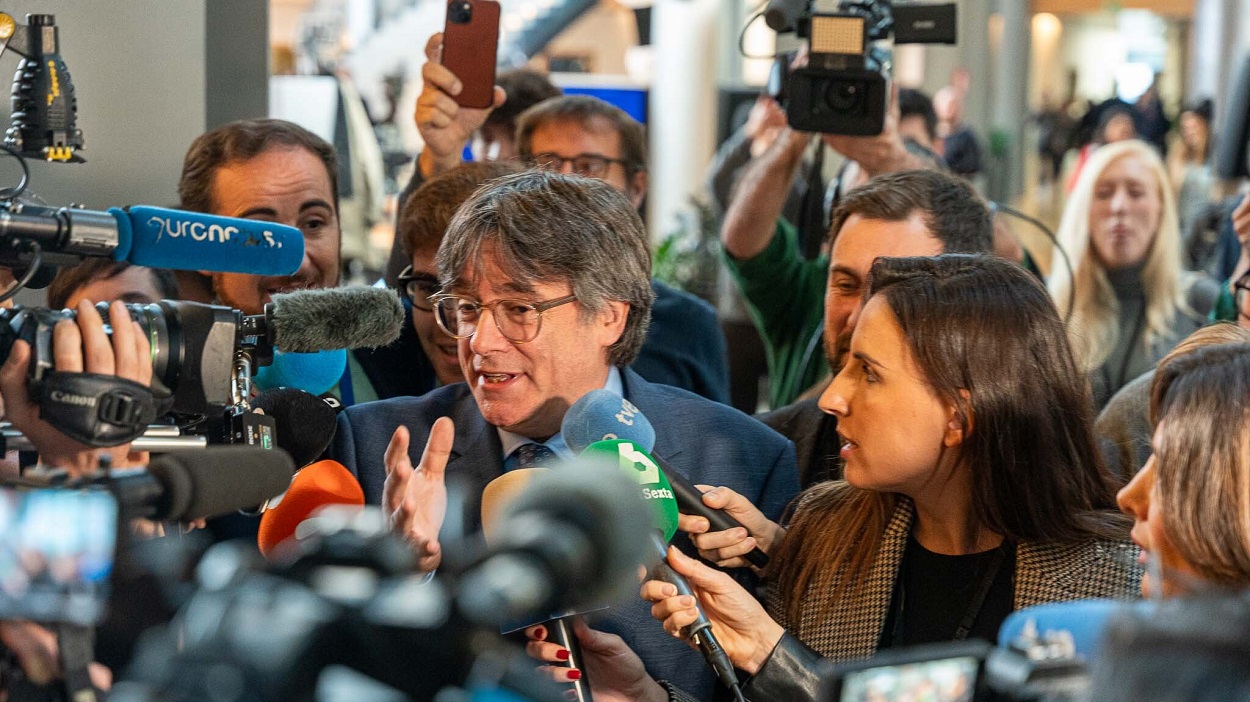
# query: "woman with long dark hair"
[972,487]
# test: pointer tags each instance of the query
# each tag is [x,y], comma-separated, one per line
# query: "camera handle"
[76,647]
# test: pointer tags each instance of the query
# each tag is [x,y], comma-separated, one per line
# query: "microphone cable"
[996,207]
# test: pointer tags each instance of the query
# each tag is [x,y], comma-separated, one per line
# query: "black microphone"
[700,631]
[601,414]
[304,424]
[194,485]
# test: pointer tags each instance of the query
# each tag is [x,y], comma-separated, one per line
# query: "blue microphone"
[602,415]
[314,373]
[1084,620]
[150,236]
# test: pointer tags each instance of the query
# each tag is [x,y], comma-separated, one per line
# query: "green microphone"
[658,492]
[638,464]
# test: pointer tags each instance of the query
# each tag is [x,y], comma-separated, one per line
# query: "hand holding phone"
[470,43]
[444,124]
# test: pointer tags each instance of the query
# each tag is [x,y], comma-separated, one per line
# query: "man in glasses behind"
[422,221]
[545,290]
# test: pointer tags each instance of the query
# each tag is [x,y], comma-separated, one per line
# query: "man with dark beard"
[910,213]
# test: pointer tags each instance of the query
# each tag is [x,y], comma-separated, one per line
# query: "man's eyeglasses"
[1241,295]
[589,165]
[517,320]
[418,287]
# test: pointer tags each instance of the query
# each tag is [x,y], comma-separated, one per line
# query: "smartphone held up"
[470,43]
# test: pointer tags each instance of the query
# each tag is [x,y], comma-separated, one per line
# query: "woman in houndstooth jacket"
[973,488]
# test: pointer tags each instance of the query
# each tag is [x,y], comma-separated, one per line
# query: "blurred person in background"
[1116,122]
[958,145]
[1189,169]
[1127,300]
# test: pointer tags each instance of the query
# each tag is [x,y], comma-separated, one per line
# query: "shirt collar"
[511,442]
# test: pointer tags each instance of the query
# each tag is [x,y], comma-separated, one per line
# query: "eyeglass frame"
[555,158]
[1242,283]
[407,276]
[540,307]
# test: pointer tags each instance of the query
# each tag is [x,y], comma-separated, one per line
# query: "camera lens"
[460,12]
[845,96]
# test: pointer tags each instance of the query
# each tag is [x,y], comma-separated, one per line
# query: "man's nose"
[487,337]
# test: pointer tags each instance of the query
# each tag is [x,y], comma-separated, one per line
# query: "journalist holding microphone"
[972,488]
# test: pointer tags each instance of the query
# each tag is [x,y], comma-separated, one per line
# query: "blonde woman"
[1128,301]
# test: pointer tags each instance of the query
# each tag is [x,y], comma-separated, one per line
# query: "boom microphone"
[307,321]
[601,414]
[656,491]
[150,236]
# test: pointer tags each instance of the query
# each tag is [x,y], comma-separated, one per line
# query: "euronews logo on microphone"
[209,232]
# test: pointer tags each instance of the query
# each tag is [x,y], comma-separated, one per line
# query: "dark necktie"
[531,455]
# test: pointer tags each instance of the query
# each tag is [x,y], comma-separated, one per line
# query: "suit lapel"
[638,391]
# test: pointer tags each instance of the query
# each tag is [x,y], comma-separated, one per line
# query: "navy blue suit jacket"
[708,442]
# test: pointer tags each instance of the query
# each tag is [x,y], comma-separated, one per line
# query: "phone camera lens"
[460,12]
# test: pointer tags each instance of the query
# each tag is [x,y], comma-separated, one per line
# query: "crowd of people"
[954,436]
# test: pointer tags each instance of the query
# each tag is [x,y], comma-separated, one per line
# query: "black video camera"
[845,86]
[1033,669]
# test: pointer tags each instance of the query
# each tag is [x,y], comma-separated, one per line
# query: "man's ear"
[638,188]
[611,321]
[959,420]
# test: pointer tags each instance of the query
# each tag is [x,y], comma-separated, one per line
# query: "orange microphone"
[320,484]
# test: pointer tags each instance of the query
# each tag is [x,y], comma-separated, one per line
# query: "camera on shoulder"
[845,86]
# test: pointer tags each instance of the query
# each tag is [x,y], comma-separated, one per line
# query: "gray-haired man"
[546,284]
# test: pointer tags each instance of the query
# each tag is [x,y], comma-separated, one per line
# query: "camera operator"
[80,346]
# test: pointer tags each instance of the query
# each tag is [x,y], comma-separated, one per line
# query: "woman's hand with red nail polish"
[614,671]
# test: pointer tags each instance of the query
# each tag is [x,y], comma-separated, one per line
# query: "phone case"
[469,49]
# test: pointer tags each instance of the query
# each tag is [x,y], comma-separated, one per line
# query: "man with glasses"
[422,221]
[586,136]
[545,285]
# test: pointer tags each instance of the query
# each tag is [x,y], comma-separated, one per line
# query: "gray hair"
[540,226]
